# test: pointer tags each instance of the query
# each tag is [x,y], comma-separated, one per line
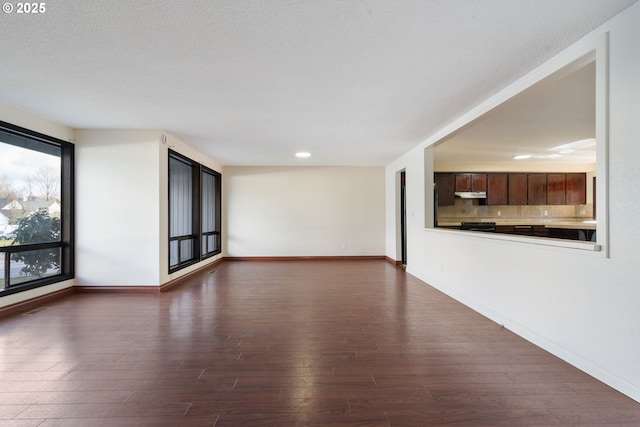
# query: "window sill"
[529,240]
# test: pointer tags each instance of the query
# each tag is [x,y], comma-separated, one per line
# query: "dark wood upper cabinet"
[556,189]
[515,188]
[518,189]
[478,182]
[471,182]
[445,185]
[537,189]
[463,182]
[497,189]
[576,186]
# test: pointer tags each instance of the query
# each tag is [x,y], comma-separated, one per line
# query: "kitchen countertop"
[577,224]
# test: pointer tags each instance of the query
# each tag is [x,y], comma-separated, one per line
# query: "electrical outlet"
[546,213]
[343,245]
[499,213]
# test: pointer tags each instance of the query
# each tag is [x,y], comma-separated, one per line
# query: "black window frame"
[38,142]
[196,234]
[217,200]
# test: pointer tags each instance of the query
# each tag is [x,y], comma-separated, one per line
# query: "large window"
[36,209]
[210,232]
[194,212]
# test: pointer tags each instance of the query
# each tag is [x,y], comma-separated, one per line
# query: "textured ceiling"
[251,82]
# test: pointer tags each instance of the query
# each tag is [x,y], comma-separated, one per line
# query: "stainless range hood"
[471,194]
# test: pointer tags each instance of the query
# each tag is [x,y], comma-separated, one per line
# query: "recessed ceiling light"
[522,156]
[303,154]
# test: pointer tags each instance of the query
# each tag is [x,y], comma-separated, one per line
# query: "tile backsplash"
[471,209]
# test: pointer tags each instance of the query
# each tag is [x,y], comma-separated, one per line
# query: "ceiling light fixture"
[522,156]
[582,144]
[303,154]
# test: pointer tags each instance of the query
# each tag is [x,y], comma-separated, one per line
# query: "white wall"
[25,119]
[304,211]
[117,214]
[580,305]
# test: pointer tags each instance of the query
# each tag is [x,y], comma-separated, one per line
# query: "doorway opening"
[403,218]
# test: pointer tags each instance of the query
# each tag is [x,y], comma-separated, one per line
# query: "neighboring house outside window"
[4,220]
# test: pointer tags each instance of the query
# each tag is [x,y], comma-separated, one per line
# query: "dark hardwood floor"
[287,343]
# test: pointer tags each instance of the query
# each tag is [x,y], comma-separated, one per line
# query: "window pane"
[210,211]
[186,250]
[27,266]
[30,203]
[37,227]
[173,253]
[2,275]
[208,202]
[209,244]
[180,198]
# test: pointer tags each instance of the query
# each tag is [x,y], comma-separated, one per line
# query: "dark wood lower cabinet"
[564,233]
[538,231]
[524,230]
[504,229]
